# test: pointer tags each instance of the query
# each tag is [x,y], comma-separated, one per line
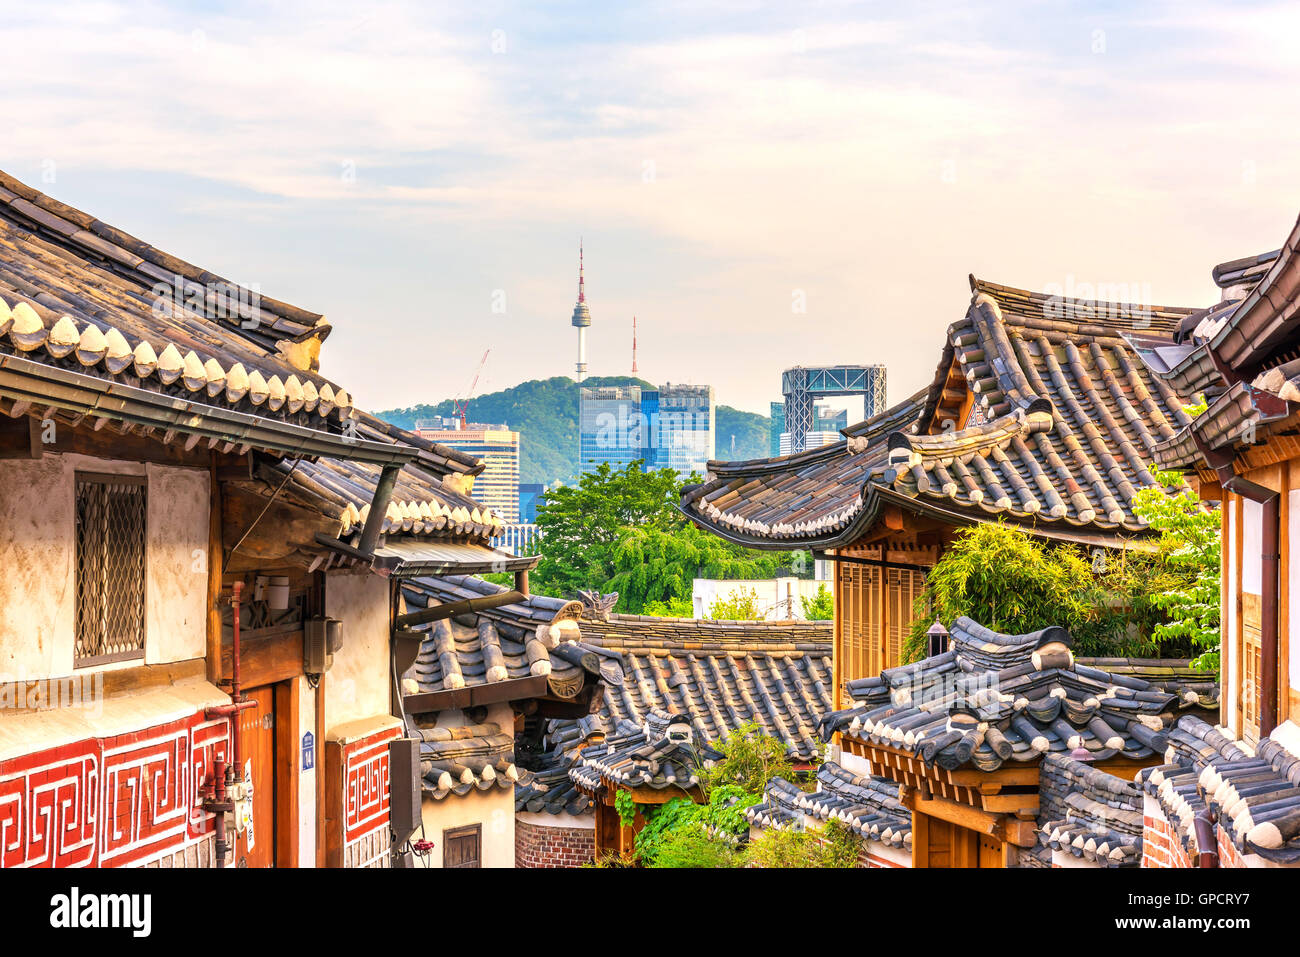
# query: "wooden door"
[256,846]
[990,852]
[462,846]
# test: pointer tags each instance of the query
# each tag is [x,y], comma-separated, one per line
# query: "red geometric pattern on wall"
[365,785]
[109,802]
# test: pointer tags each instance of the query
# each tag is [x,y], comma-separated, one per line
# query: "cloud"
[725,159]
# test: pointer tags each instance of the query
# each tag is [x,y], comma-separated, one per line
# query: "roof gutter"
[25,380]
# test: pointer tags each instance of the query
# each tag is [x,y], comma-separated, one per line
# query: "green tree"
[820,607]
[620,530]
[1191,546]
[581,525]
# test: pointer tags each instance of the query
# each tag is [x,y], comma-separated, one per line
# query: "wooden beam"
[110,683]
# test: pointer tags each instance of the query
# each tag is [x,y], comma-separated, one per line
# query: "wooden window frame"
[135,654]
[451,833]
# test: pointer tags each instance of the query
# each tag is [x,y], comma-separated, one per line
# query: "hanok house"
[171,445]
[687,683]
[1001,751]
[484,663]
[1040,415]
[1234,799]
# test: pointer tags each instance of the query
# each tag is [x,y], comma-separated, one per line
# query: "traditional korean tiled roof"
[993,698]
[660,752]
[718,675]
[868,804]
[536,637]
[1063,426]
[78,294]
[551,790]
[1088,813]
[1240,355]
[429,499]
[1256,797]
[457,760]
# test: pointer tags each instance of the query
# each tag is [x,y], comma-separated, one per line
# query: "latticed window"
[110,568]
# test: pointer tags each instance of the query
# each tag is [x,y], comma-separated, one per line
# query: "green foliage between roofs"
[619,530]
[820,607]
[1122,602]
[739,605]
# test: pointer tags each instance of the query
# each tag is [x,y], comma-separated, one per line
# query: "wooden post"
[216,558]
[288,732]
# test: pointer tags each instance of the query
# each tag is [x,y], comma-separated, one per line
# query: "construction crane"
[461,406]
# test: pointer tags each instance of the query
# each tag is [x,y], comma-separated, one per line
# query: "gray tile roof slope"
[536,637]
[1088,813]
[867,804]
[718,675]
[1256,798]
[659,753]
[83,295]
[993,698]
[1064,426]
[462,759]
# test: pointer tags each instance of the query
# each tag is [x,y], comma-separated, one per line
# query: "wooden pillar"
[216,558]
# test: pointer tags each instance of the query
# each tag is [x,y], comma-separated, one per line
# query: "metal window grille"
[110,568]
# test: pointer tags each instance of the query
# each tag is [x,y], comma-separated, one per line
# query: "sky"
[761,185]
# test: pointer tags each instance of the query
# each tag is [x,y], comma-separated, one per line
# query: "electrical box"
[404,787]
[322,637]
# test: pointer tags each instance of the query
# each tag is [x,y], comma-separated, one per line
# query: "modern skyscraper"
[581,320]
[776,428]
[681,428]
[610,427]
[497,486]
[669,427]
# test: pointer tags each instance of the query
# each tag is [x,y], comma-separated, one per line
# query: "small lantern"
[937,639]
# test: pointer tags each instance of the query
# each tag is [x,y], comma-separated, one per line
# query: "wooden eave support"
[513,689]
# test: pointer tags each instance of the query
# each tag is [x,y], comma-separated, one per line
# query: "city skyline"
[407,174]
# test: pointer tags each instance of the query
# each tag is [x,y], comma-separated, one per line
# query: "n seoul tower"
[581,319]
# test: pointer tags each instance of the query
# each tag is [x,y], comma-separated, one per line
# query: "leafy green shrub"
[672,608]
[750,759]
[833,845]
[740,605]
[692,846]
[820,607]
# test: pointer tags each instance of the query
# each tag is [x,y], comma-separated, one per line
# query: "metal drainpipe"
[1269,585]
[1207,846]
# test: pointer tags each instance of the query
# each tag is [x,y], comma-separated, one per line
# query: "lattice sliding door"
[1250,694]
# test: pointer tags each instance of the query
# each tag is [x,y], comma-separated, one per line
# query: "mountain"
[545,413]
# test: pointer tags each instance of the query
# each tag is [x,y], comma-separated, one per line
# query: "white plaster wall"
[494,809]
[357,684]
[772,594]
[1252,544]
[176,587]
[902,856]
[307,778]
[38,549]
